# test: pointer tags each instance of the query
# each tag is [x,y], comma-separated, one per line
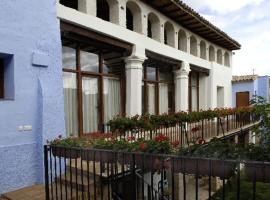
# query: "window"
[149,29]
[193,91]
[220,97]
[2,79]
[227,59]
[129,20]
[153,28]
[182,41]
[219,57]
[133,17]
[211,53]
[157,90]
[169,34]
[193,46]
[203,50]
[71,4]
[7,89]
[92,89]
[103,10]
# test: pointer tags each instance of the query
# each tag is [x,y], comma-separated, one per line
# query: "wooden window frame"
[100,76]
[156,82]
[2,79]
[190,88]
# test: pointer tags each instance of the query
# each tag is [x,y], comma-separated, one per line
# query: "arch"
[227,59]
[211,53]
[219,56]
[169,35]
[153,27]
[182,40]
[193,46]
[114,11]
[202,50]
[103,10]
[133,17]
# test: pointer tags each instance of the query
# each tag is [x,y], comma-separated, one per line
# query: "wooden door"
[242,99]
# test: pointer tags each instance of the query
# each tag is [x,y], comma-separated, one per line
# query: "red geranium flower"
[131,138]
[142,146]
[161,138]
[200,140]
[176,143]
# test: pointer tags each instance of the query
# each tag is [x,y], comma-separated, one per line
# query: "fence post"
[46,167]
[202,129]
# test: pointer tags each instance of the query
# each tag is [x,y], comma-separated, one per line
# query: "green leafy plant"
[67,142]
[216,148]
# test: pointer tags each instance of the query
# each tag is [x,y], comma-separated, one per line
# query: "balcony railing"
[187,132]
[77,173]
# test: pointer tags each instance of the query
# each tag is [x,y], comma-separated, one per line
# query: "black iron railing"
[77,173]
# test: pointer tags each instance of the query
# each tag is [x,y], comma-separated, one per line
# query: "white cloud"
[221,6]
[247,21]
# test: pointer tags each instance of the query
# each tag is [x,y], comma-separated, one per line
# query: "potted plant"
[205,159]
[150,151]
[66,147]
[99,150]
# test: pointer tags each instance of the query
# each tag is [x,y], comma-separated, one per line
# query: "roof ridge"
[188,8]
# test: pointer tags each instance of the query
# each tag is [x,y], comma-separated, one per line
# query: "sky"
[246,21]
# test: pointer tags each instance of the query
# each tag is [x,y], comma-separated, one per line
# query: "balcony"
[91,173]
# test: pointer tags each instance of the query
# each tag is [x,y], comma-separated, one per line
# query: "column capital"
[183,72]
[136,59]
[134,62]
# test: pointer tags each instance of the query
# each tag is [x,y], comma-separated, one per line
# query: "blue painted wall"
[263,87]
[29,34]
[250,86]
[259,87]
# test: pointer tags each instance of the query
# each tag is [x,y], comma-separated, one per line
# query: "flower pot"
[204,167]
[258,172]
[65,153]
[98,156]
[144,161]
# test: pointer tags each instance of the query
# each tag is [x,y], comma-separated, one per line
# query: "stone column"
[134,70]
[181,87]
[88,6]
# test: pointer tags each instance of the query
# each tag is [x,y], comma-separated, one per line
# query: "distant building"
[245,87]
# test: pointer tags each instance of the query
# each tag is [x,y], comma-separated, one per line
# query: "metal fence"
[77,173]
[187,132]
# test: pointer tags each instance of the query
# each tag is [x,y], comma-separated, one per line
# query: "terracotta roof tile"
[244,78]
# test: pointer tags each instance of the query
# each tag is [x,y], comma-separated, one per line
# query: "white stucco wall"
[220,75]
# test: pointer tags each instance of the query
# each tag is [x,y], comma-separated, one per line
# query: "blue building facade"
[31,107]
[253,84]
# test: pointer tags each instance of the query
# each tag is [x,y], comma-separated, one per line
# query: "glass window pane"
[89,61]
[71,104]
[112,98]
[194,98]
[194,78]
[165,76]
[151,98]
[163,98]
[90,104]
[151,73]
[114,68]
[68,58]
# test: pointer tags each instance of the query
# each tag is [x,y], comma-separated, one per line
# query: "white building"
[139,56]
